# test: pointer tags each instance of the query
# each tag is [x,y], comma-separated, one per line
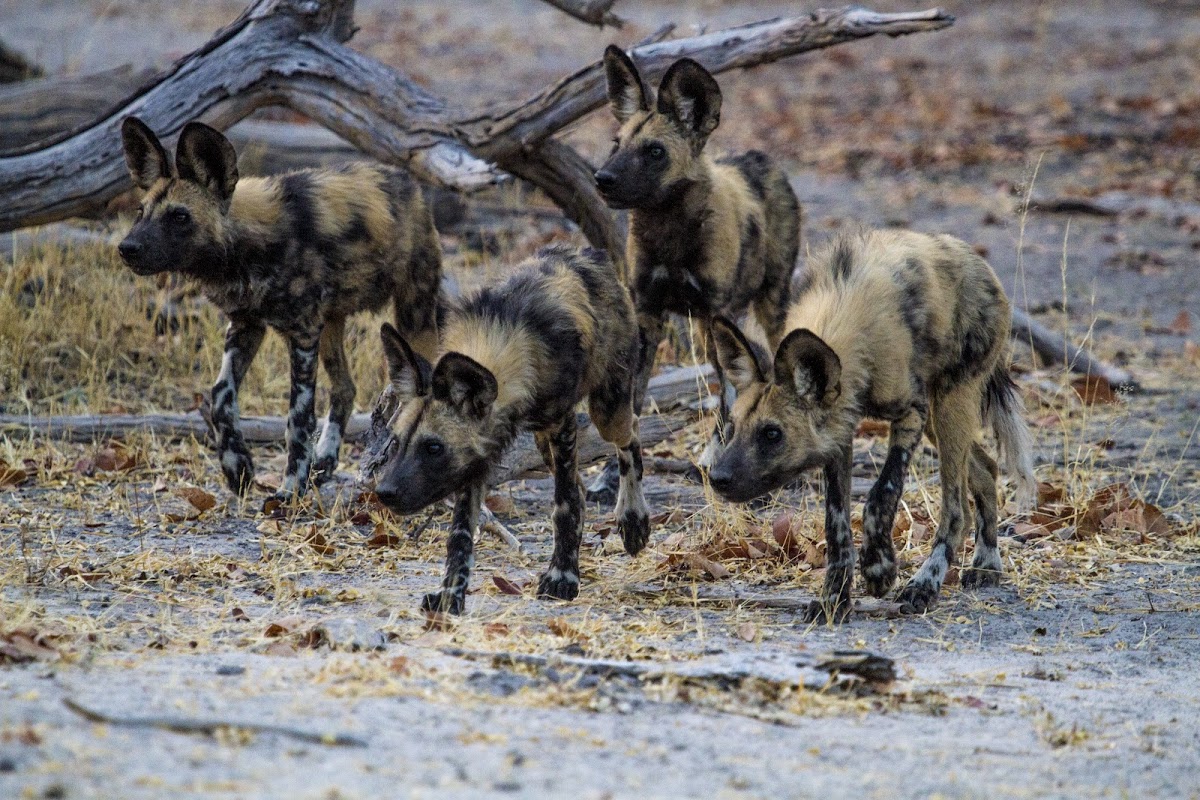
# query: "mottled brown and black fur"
[298,253]
[706,236]
[899,326]
[516,357]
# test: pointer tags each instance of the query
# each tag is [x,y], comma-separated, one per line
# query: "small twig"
[211,727]
[654,38]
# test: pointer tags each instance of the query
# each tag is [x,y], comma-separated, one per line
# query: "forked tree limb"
[290,52]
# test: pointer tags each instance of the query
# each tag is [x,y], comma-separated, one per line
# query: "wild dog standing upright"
[705,237]
[904,327]
[299,253]
[516,357]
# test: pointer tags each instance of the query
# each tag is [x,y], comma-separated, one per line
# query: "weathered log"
[666,390]
[289,52]
[277,51]
[1057,350]
[42,110]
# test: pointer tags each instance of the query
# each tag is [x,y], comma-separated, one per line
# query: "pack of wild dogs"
[901,326]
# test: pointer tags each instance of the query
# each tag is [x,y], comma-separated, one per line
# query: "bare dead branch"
[1057,350]
[290,52]
[211,727]
[593,12]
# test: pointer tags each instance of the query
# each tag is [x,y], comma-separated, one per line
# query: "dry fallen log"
[667,390]
[818,672]
[290,52]
[1057,350]
[42,110]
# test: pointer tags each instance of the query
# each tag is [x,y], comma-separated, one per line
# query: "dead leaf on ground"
[1114,509]
[560,627]
[11,476]
[200,499]
[699,563]
[505,585]
[382,537]
[500,504]
[116,457]
[317,541]
[21,646]
[1094,390]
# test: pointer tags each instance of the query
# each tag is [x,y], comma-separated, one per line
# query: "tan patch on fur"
[356,192]
[511,354]
[568,289]
[257,204]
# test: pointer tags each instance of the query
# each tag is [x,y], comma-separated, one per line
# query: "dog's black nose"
[388,496]
[606,181]
[129,249]
[721,478]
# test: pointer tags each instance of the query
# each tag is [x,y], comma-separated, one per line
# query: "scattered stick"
[211,727]
[875,669]
[1117,204]
[1057,350]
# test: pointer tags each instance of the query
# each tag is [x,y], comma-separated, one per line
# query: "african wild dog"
[899,326]
[299,253]
[516,357]
[705,237]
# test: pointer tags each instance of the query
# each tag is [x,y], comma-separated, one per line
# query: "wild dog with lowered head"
[706,236]
[900,326]
[516,357]
[299,253]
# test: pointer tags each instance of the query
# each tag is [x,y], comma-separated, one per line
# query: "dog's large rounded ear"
[408,372]
[627,94]
[736,355]
[145,156]
[691,97]
[465,384]
[810,367]
[206,157]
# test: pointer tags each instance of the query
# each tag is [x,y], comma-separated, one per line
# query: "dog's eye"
[141,212]
[771,434]
[656,151]
[180,216]
[434,448]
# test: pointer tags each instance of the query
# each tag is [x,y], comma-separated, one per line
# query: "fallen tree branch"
[1057,350]
[593,12]
[212,727]
[277,52]
[874,669]
[290,52]
[42,110]
[1116,204]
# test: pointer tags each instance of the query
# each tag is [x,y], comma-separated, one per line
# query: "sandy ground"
[1075,678]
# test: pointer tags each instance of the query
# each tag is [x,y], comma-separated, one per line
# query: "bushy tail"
[1004,410]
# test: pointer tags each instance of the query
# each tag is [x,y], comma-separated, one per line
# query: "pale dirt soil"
[1074,678]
